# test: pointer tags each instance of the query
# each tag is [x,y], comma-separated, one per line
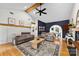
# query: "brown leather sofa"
[25,37]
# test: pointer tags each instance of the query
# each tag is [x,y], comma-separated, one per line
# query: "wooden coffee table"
[36,42]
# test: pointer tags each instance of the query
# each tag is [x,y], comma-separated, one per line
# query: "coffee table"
[36,42]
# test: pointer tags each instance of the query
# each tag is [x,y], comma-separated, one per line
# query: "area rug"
[72,51]
[45,49]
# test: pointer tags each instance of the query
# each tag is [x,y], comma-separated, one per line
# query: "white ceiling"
[18,6]
[55,12]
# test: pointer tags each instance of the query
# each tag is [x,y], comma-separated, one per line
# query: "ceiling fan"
[41,11]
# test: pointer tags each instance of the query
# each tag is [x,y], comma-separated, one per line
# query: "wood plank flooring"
[64,50]
[9,50]
[76,44]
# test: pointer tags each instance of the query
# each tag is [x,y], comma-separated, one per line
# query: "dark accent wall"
[41,24]
[63,24]
[60,23]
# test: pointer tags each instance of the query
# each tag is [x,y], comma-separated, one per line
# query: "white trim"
[54,30]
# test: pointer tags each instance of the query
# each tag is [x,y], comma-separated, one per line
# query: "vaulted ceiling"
[55,11]
[18,6]
[32,7]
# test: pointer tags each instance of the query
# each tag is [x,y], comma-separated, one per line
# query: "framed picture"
[41,28]
[11,20]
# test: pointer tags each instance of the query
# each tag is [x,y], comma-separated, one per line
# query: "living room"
[29,28]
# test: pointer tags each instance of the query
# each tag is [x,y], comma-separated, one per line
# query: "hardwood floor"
[64,50]
[9,50]
[76,44]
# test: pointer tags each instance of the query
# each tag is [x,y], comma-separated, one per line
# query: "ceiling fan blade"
[40,14]
[44,9]
[44,12]
[37,9]
[36,12]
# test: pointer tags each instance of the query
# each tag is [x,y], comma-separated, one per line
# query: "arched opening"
[57,30]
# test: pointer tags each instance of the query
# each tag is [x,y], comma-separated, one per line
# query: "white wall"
[55,12]
[8,33]
[18,15]
[74,13]
[35,28]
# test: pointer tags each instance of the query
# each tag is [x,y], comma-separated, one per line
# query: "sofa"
[24,37]
[48,36]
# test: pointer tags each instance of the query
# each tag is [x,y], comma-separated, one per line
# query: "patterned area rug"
[45,49]
[72,51]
